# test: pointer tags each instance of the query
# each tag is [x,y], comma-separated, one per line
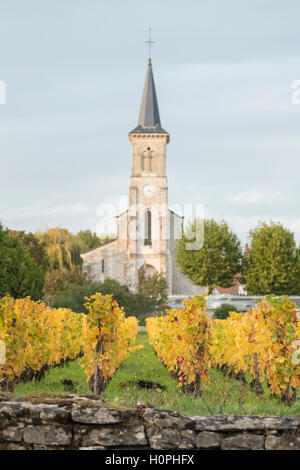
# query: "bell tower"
[148,191]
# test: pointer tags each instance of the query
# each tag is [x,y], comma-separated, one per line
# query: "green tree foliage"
[63,248]
[223,311]
[89,240]
[217,262]
[271,265]
[19,274]
[151,297]
[36,249]
[63,254]
[73,296]
[57,280]
[120,293]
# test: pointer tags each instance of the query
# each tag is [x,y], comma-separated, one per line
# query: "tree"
[19,274]
[58,280]
[73,296]
[120,293]
[222,312]
[152,297]
[35,248]
[296,289]
[217,262]
[271,265]
[89,240]
[63,248]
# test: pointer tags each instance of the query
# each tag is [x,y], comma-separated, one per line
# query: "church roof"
[97,247]
[149,120]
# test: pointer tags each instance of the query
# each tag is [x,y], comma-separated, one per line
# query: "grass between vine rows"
[223,395]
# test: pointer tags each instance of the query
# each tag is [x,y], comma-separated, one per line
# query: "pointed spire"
[149,114]
[149,120]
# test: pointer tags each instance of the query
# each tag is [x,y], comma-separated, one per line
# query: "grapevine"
[262,342]
[38,337]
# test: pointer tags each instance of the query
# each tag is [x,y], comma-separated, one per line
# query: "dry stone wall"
[87,422]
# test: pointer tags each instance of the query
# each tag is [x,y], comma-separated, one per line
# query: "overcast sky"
[74,72]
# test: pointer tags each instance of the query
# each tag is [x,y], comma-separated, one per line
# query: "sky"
[74,73]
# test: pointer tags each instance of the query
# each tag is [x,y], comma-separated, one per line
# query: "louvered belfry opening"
[147,160]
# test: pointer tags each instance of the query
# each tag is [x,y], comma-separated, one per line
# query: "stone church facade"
[147,232]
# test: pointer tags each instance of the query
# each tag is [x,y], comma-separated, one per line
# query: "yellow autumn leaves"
[109,336]
[262,342]
[36,335]
[181,341]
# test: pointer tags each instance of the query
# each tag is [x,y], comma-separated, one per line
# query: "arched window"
[148,237]
[147,159]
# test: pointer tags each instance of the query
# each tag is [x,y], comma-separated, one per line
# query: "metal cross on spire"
[149,42]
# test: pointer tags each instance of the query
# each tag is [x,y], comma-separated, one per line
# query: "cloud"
[39,211]
[258,195]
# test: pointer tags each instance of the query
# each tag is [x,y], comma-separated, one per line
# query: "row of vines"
[263,344]
[37,337]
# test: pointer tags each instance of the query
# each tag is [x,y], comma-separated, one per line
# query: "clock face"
[148,190]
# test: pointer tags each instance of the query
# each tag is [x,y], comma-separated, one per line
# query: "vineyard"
[37,338]
[259,348]
[263,344]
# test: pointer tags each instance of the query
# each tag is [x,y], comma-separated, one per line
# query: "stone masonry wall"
[86,422]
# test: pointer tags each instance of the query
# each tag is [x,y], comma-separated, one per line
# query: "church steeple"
[149,114]
[149,120]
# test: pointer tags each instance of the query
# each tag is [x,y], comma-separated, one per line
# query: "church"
[147,232]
